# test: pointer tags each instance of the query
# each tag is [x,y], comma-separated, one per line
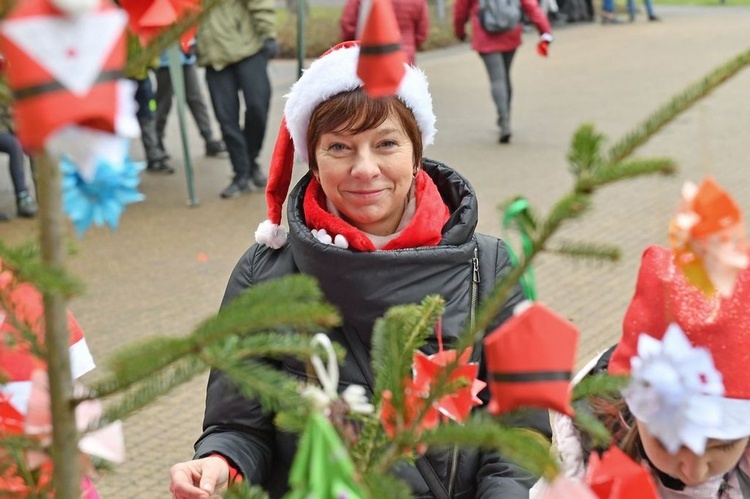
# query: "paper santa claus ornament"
[707,235]
[65,70]
[529,360]
[148,18]
[382,61]
[24,393]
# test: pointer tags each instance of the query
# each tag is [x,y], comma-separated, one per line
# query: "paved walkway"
[147,279]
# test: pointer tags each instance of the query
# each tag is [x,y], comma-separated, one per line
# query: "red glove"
[542,47]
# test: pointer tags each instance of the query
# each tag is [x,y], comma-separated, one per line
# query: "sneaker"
[611,20]
[215,148]
[237,187]
[26,205]
[654,18]
[159,166]
[504,138]
[259,180]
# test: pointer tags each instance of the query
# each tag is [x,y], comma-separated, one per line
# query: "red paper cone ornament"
[530,358]
[66,70]
[616,476]
[381,58]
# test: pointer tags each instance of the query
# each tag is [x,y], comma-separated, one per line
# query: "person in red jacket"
[497,51]
[412,16]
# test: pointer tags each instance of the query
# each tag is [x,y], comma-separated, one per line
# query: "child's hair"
[619,422]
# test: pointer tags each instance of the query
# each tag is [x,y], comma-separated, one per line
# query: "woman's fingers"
[199,479]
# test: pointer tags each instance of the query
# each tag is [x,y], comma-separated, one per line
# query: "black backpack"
[499,16]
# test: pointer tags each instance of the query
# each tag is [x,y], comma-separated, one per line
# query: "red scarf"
[424,229]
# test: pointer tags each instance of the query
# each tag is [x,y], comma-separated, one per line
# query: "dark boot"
[156,156]
[257,176]
[215,148]
[238,186]
[26,205]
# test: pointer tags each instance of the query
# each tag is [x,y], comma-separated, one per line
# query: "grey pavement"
[147,278]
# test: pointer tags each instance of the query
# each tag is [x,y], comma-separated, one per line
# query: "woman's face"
[367,176]
[691,469]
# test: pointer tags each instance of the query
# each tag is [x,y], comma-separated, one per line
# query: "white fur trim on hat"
[336,72]
[270,234]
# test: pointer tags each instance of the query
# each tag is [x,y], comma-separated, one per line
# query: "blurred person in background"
[412,16]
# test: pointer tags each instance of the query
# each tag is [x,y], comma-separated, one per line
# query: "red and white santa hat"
[333,73]
[687,354]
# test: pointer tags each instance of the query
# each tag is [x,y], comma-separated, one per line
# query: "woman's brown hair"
[354,112]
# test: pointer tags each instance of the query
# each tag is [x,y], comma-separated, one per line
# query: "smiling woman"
[378,226]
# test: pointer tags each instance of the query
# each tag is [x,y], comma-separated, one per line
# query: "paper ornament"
[24,394]
[148,18]
[707,236]
[328,375]
[381,65]
[456,406]
[66,70]
[100,199]
[322,467]
[530,358]
[616,476]
[413,404]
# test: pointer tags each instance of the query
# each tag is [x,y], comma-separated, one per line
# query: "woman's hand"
[200,478]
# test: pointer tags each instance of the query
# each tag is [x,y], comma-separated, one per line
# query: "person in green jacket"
[234,43]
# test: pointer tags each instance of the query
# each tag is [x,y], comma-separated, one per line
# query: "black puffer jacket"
[363,285]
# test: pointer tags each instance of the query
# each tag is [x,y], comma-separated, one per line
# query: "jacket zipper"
[472,320]
[474,288]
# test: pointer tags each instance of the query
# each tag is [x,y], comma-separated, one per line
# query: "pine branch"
[275,390]
[592,251]
[599,385]
[385,486]
[293,301]
[585,151]
[371,445]
[395,338]
[275,345]
[143,362]
[528,449]
[27,266]
[589,424]
[245,491]
[14,463]
[626,170]
[679,103]
[155,386]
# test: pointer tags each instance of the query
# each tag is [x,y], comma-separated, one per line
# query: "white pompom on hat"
[333,73]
